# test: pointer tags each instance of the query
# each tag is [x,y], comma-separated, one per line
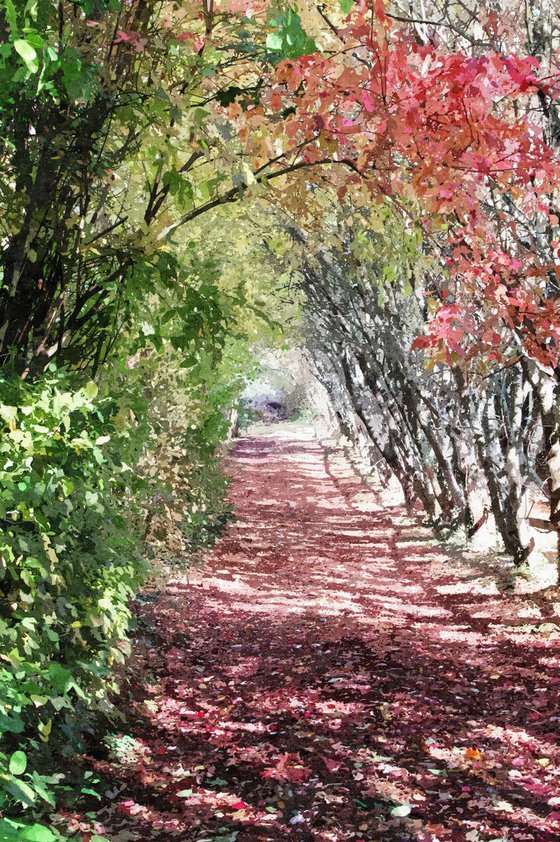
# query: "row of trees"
[446,119]
[470,446]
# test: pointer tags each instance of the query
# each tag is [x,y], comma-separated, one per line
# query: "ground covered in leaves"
[331,675]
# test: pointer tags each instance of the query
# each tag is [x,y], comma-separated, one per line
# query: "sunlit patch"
[458,635]
[336,709]
[288,767]
[244,667]
[473,586]
[552,663]
[249,727]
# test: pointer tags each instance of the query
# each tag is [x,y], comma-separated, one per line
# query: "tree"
[466,448]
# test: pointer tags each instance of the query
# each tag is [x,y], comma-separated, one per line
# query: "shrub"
[68,566]
[189,419]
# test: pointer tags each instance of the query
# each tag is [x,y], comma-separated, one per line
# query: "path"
[332,676]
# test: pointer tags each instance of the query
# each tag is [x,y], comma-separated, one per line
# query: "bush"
[189,419]
[68,566]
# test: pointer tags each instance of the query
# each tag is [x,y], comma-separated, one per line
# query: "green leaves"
[288,38]
[21,792]
[228,95]
[9,415]
[11,16]
[68,563]
[28,54]
[60,677]
[18,763]
[38,833]
[91,389]
[11,831]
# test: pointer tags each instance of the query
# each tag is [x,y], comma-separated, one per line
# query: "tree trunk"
[547,389]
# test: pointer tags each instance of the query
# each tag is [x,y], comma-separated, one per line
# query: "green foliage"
[346,6]
[101,156]
[288,38]
[15,831]
[68,566]
[189,417]
[126,750]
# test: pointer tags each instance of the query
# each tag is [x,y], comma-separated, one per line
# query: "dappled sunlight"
[326,678]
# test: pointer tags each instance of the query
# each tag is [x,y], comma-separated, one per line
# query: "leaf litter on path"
[327,676]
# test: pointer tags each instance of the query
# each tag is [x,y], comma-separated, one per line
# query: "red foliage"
[457,133]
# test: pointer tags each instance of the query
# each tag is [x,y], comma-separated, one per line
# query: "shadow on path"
[332,675]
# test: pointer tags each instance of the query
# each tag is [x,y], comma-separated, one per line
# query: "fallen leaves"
[266,724]
[288,767]
[239,805]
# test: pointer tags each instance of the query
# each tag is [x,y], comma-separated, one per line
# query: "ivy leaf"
[28,54]
[18,763]
[13,724]
[60,677]
[230,94]
[91,389]
[11,16]
[289,39]
[274,42]
[41,789]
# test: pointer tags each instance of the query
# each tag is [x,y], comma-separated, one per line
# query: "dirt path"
[332,676]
